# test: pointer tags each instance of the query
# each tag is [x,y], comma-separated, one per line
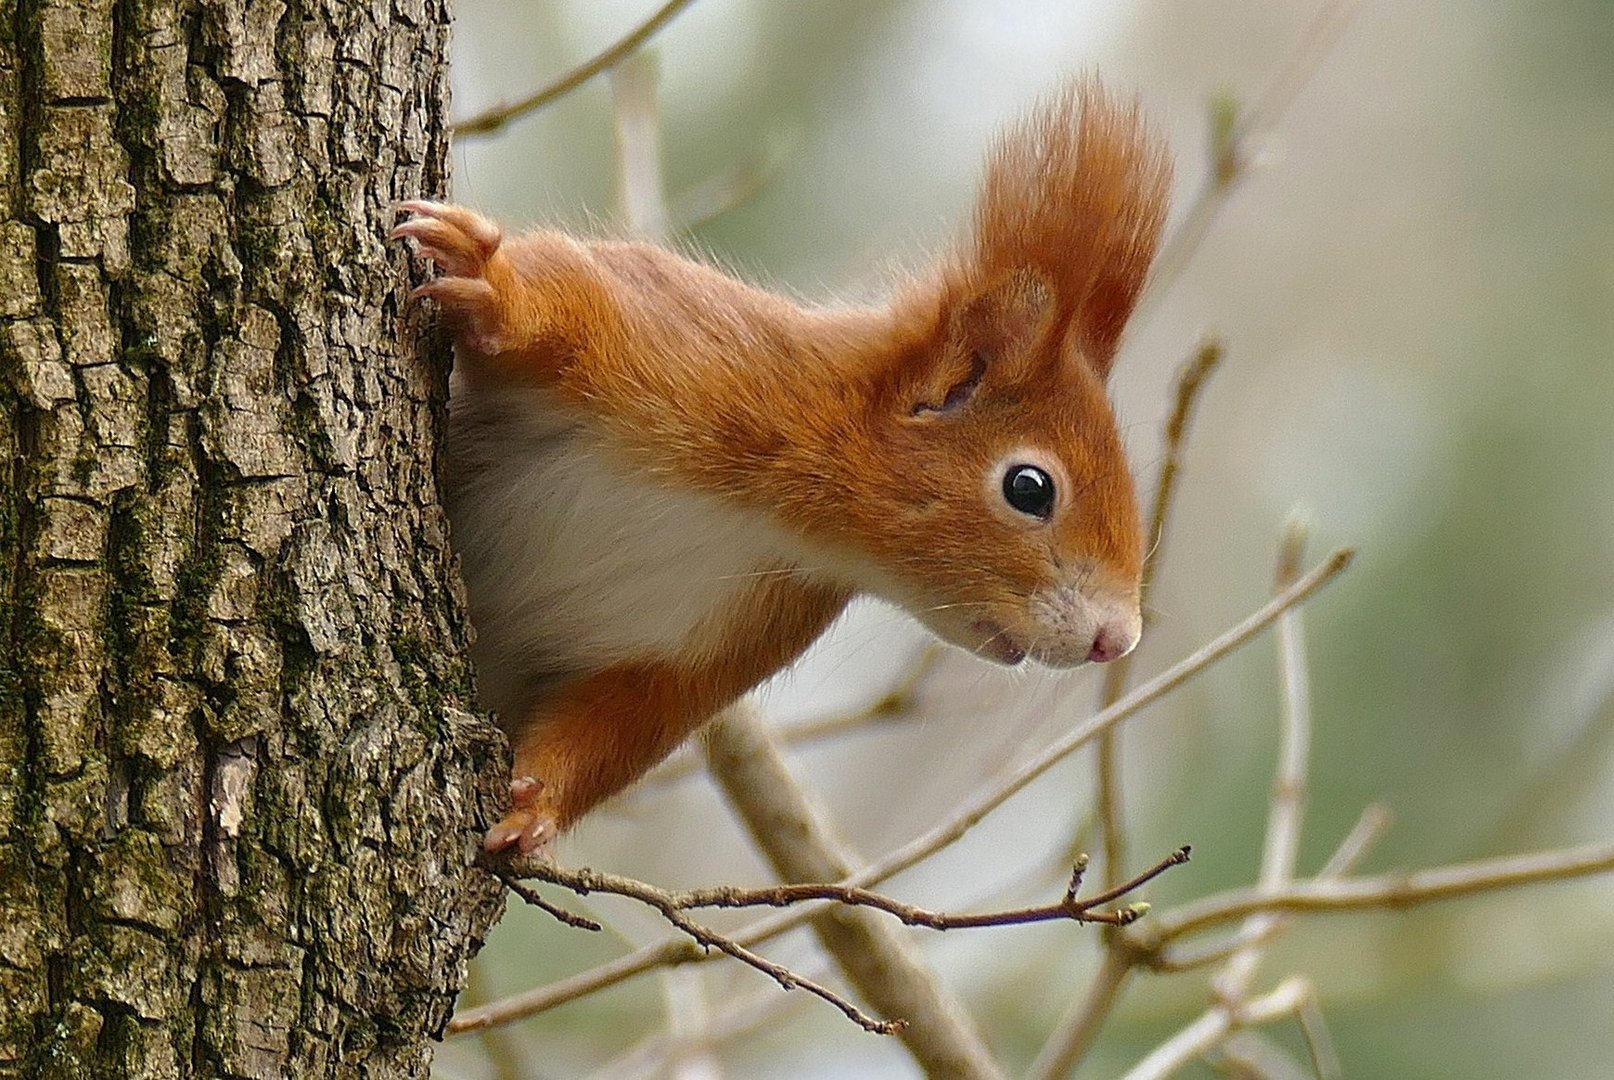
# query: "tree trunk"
[240,787]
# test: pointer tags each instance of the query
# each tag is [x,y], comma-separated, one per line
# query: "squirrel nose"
[1113,641]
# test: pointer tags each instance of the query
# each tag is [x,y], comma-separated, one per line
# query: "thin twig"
[636,111]
[961,821]
[672,907]
[531,896]
[786,978]
[1215,1024]
[877,957]
[1233,138]
[1367,831]
[706,200]
[1286,811]
[1074,1034]
[1319,1043]
[897,703]
[585,882]
[503,1052]
[1190,380]
[1387,891]
[496,117]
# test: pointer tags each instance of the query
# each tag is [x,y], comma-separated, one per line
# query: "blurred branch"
[651,1056]
[922,847]
[1248,1055]
[1074,1034]
[503,1054]
[721,192]
[496,117]
[875,956]
[1281,849]
[673,907]
[1216,1024]
[1367,831]
[1190,380]
[1072,1038]
[1233,137]
[1234,1009]
[640,194]
[897,703]
[1386,891]
[1567,773]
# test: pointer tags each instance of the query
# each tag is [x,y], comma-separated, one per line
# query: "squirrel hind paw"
[528,831]
[528,827]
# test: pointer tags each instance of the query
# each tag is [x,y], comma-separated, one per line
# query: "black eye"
[1029,490]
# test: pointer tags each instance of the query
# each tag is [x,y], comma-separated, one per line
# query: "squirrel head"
[1010,523]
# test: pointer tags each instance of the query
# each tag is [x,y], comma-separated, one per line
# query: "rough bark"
[240,786]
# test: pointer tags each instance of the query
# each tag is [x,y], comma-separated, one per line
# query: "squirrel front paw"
[529,827]
[465,247]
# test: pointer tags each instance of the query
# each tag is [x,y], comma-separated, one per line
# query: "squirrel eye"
[1029,490]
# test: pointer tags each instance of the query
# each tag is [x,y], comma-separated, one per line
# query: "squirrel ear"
[989,329]
[1004,317]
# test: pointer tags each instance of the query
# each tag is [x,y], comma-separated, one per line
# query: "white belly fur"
[573,562]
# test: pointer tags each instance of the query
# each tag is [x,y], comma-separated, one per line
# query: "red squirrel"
[664,483]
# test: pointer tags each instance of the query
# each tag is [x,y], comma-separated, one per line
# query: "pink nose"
[1111,643]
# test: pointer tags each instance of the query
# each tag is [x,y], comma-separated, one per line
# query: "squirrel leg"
[592,739]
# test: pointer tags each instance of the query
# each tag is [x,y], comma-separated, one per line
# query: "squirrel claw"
[459,241]
[527,827]
[464,246]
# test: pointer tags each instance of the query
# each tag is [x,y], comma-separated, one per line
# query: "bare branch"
[583,882]
[876,957]
[1215,1024]
[1075,1032]
[898,703]
[1367,831]
[672,907]
[1388,891]
[1233,139]
[1281,849]
[531,896]
[640,193]
[496,117]
[1190,380]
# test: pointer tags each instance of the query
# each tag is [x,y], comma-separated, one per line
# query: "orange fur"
[870,446]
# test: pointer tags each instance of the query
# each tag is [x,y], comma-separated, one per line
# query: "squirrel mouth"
[996,643]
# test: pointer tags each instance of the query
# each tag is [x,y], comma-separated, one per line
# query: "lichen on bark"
[241,779]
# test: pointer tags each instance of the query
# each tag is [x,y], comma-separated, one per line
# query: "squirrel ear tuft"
[1078,193]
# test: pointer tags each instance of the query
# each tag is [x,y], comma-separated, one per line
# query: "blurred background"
[1416,293]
